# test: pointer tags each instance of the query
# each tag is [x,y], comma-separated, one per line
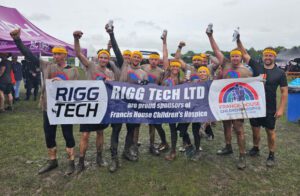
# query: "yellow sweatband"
[175,64]
[203,68]
[154,56]
[203,56]
[103,52]
[269,51]
[235,52]
[197,57]
[59,49]
[127,52]
[137,53]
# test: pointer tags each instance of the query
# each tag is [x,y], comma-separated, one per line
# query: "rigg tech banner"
[92,102]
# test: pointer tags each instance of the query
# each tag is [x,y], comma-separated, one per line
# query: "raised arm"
[165,52]
[246,56]
[15,34]
[114,44]
[178,54]
[215,48]
[77,35]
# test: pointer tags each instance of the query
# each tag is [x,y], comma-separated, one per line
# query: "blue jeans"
[17,88]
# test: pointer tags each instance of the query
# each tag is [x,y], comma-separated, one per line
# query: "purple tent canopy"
[35,39]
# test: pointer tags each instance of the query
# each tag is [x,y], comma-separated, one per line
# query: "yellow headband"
[203,68]
[269,51]
[103,52]
[197,57]
[127,52]
[59,49]
[154,56]
[235,52]
[175,64]
[137,53]
[204,56]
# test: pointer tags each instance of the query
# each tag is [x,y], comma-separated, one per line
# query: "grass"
[23,151]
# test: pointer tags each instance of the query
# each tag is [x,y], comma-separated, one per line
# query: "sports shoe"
[154,150]
[254,151]
[100,160]
[71,167]
[50,165]
[241,164]
[225,151]
[114,165]
[189,151]
[171,156]
[197,156]
[163,147]
[270,161]
[80,166]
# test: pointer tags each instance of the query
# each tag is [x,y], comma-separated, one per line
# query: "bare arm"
[245,54]
[178,55]
[215,48]
[283,100]
[77,35]
[165,53]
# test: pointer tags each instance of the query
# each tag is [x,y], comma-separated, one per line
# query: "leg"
[161,132]
[172,154]
[114,140]
[238,127]
[195,129]
[2,100]
[227,125]
[70,143]
[152,148]
[50,135]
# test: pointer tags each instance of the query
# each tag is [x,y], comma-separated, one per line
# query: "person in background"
[17,69]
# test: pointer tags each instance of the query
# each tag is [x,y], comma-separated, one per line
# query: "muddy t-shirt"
[132,74]
[51,70]
[240,71]
[154,74]
[94,72]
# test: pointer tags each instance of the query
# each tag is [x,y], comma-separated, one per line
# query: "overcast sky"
[139,23]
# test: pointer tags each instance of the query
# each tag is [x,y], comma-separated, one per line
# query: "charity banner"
[93,102]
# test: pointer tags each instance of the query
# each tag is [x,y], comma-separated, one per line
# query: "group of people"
[128,68]
[12,73]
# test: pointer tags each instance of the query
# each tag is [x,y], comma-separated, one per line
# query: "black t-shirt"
[274,77]
[5,78]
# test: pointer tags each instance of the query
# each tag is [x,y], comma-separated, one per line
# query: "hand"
[181,44]
[279,113]
[77,34]
[56,79]
[109,30]
[164,37]
[209,34]
[15,34]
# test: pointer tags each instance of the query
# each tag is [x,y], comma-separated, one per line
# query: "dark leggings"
[114,139]
[209,131]
[173,131]
[183,128]
[161,132]
[50,133]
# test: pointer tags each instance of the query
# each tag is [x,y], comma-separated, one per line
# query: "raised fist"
[77,34]
[15,34]
[181,44]
[109,28]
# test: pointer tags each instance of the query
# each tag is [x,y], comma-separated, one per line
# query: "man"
[5,83]
[93,72]
[130,72]
[154,76]
[232,69]
[33,77]
[274,77]
[17,69]
[58,70]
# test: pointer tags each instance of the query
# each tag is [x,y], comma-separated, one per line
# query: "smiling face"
[59,58]
[269,59]
[154,62]
[103,59]
[203,75]
[136,60]
[235,59]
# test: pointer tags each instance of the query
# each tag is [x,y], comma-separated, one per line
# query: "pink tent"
[34,38]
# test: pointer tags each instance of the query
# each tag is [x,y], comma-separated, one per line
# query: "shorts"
[6,88]
[92,127]
[266,122]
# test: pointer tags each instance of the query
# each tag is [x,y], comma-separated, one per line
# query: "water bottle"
[236,32]
[209,28]
[110,24]
[165,32]
[188,74]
